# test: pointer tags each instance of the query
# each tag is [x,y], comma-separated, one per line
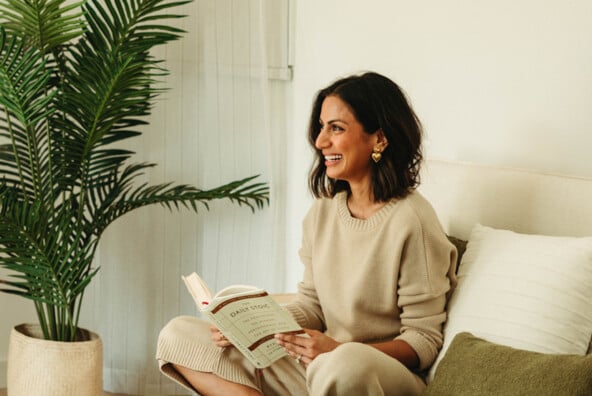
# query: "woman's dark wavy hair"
[377,103]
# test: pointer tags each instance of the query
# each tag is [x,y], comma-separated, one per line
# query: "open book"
[247,316]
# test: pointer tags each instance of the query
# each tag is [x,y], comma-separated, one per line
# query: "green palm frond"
[123,198]
[27,104]
[75,81]
[52,268]
[112,65]
[46,24]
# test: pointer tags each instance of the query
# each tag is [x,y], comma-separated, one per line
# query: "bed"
[520,321]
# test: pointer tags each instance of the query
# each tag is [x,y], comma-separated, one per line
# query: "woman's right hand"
[218,338]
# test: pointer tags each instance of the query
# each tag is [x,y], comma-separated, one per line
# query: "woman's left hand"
[306,349]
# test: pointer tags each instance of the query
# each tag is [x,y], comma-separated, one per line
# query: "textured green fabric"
[473,366]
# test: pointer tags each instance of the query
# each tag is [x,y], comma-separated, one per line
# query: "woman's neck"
[361,204]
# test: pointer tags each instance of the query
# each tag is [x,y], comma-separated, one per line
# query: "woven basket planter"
[40,367]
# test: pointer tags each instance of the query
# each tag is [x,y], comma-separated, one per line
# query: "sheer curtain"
[213,126]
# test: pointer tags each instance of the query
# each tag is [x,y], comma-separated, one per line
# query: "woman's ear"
[381,140]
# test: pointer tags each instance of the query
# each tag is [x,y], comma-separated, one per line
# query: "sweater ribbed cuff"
[425,350]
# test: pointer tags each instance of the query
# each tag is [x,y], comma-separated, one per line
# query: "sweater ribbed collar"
[361,224]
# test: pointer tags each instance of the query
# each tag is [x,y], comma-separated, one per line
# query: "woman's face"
[347,148]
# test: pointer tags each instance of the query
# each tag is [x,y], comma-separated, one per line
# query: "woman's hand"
[218,338]
[306,349]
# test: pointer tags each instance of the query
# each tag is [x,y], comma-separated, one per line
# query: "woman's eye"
[331,128]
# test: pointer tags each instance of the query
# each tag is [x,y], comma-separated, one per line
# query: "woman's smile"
[332,159]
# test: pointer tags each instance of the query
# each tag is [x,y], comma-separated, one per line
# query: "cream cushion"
[530,292]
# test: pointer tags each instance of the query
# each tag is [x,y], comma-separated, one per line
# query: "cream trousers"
[351,369]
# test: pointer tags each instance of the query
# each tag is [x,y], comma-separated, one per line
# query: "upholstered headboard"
[464,194]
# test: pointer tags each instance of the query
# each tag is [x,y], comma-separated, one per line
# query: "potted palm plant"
[76,80]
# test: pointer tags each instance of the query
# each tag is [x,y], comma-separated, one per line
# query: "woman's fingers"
[298,347]
[291,339]
[305,348]
[218,338]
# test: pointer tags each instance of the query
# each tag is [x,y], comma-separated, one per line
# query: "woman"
[377,265]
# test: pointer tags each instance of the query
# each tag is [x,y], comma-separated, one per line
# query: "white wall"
[499,82]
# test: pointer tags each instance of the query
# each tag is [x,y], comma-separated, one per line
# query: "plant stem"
[42,319]
[16,156]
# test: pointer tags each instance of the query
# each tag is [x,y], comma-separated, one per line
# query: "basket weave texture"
[41,367]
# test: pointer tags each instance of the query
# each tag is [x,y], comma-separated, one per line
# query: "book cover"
[247,316]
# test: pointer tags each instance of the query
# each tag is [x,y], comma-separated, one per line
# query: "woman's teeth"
[335,157]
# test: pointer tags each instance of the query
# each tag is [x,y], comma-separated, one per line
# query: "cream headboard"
[464,194]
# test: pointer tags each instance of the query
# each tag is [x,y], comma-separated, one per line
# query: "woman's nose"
[322,141]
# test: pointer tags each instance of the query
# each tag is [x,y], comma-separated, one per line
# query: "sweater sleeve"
[306,310]
[426,278]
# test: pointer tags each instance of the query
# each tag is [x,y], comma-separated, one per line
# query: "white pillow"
[530,292]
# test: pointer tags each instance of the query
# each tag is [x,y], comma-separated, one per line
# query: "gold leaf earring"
[376,155]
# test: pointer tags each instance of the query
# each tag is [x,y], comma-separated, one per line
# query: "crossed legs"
[209,384]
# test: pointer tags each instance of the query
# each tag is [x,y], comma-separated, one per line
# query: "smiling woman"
[378,255]
[392,138]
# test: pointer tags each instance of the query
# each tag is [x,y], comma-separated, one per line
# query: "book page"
[235,290]
[198,289]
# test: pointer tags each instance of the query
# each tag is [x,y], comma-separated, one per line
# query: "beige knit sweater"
[377,279]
